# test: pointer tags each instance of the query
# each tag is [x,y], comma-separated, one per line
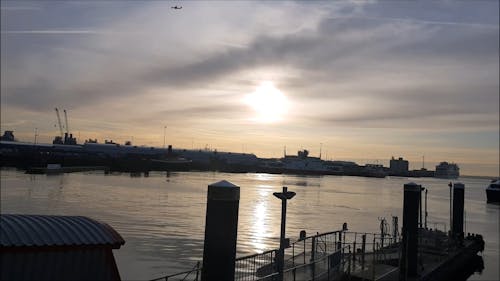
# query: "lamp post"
[284,196]
[164,135]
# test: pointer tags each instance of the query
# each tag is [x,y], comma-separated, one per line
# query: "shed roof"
[42,230]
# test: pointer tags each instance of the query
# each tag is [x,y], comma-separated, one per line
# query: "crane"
[59,122]
[66,119]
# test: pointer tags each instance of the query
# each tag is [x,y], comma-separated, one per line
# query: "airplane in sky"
[177,7]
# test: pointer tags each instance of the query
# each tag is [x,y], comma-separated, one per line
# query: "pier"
[417,253]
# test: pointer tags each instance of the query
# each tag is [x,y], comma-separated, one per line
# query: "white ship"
[447,170]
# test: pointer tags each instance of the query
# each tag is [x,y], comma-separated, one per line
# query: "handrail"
[255,255]
[187,272]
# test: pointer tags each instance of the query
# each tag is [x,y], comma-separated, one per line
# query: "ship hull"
[492,195]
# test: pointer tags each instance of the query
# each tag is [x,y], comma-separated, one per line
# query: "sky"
[357,80]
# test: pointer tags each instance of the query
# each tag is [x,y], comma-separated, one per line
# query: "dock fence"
[189,275]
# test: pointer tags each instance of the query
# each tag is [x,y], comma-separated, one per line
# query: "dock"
[417,253]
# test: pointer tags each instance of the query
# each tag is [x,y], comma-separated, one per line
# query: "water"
[162,218]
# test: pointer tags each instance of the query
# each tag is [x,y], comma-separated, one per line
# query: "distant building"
[35,247]
[447,170]
[8,136]
[398,167]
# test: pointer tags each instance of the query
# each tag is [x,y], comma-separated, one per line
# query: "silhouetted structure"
[57,248]
[408,262]
[458,210]
[447,170]
[398,167]
[221,228]
[8,136]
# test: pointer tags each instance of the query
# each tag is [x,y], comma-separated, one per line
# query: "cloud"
[373,63]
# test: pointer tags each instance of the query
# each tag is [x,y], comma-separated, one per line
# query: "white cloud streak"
[53,31]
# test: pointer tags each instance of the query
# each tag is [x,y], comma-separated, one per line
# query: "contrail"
[52,31]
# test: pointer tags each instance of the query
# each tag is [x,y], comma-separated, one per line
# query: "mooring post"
[339,243]
[221,228]
[354,251]
[408,263]
[420,224]
[363,244]
[450,185]
[373,259]
[284,196]
[425,222]
[458,210]
[395,229]
[349,261]
[382,231]
[305,250]
[313,248]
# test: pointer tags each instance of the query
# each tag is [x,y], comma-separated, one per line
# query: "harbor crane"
[66,120]
[59,122]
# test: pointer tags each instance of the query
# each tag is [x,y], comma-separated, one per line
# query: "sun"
[269,103]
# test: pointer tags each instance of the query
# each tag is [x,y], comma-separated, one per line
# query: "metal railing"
[308,258]
[334,255]
[189,275]
[254,267]
[327,267]
[370,250]
[312,247]
[330,254]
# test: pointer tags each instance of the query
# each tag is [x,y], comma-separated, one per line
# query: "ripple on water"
[162,219]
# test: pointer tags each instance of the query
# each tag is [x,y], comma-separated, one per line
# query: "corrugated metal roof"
[41,230]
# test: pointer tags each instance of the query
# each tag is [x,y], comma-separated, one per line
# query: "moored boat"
[493,192]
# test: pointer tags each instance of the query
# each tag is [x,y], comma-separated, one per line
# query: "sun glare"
[269,103]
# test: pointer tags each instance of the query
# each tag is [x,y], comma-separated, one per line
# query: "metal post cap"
[458,185]
[411,186]
[284,196]
[223,183]
[223,190]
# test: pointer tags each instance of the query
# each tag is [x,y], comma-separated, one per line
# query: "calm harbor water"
[162,218]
